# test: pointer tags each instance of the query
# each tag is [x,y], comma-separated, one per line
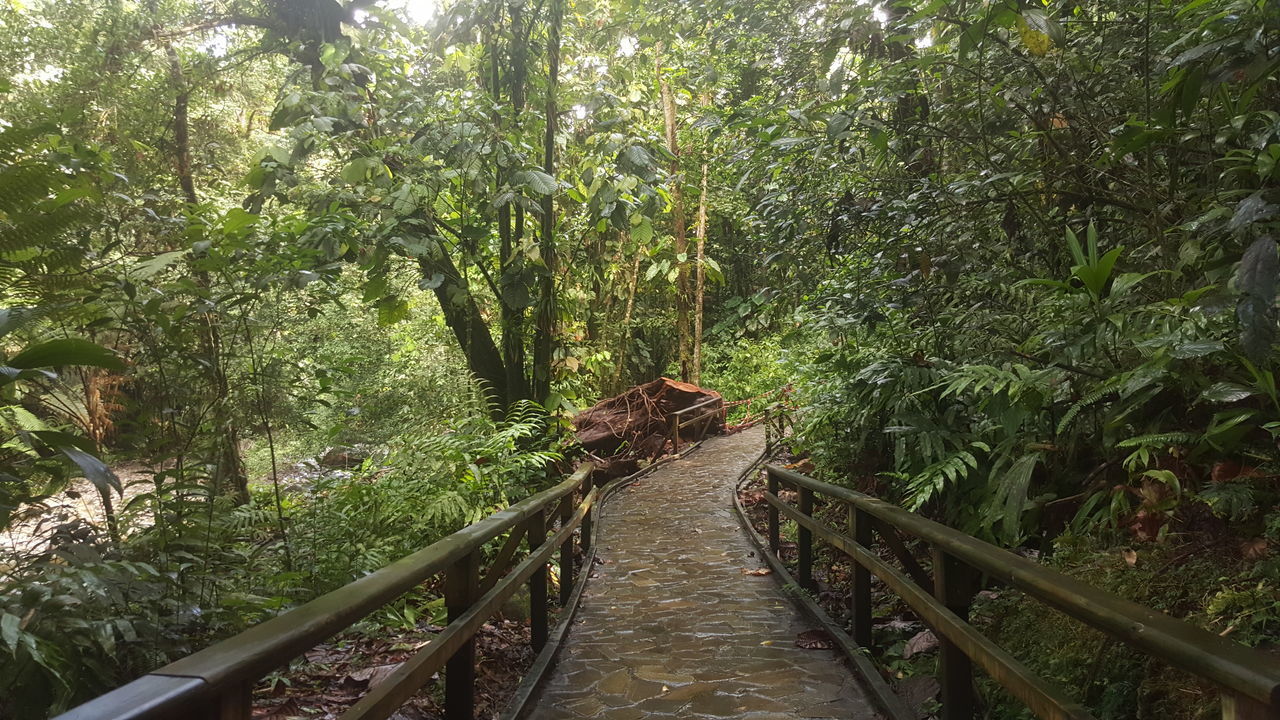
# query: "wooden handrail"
[702,404]
[677,425]
[1250,679]
[217,681]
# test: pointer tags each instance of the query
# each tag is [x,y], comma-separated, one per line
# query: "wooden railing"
[217,682]
[710,408]
[1249,680]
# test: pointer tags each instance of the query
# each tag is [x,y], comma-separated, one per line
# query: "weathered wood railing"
[710,408]
[217,682]
[1249,680]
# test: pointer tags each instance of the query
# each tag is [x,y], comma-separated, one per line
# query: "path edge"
[865,672]
[546,659]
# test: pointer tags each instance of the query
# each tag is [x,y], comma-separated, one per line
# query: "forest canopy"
[289,288]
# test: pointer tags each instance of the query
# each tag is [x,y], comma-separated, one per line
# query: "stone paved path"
[671,627]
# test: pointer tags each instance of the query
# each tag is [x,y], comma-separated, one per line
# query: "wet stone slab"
[671,627]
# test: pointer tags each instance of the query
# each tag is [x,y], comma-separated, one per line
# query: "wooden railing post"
[584,535]
[566,552]
[860,599]
[1239,707]
[804,537]
[954,585]
[774,540]
[538,583]
[460,584]
[675,434]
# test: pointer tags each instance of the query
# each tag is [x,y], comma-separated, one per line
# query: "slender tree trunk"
[678,228]
[181,125]
[625,341]
[544,340]
[701,279]
[510,262]
[229,466]
[256,363]
[599,307]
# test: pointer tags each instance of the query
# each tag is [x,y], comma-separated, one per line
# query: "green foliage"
[1032,250]
[430,485]
[1197,583]
[1002,449]
[751,369]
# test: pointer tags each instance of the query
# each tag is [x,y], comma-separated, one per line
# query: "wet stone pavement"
[671,626]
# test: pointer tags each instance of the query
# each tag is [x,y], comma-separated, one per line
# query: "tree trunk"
[510,262]
[462,315]
[678,229]
[625,344]
[228,465]
[181,125]
[701,280]
[544,340]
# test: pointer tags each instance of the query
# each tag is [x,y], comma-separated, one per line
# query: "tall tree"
[544,341]
[679,229]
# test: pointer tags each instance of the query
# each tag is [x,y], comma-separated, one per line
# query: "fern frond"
[1108,388]
[1168,439]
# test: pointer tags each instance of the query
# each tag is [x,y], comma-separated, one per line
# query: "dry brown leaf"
[801,466]
[922,642]
[372,675]
[1130,557]
[1254,549]
[814,640]
[757,571]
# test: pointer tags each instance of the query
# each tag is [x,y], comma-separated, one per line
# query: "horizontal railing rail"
[1249,679]
[217,682]
[716,407]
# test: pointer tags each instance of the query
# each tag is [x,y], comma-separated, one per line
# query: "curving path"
[670,625]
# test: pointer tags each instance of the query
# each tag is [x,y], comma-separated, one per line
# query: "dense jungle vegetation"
[1017,258]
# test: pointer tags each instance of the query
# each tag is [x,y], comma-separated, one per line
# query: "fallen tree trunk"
[635,425]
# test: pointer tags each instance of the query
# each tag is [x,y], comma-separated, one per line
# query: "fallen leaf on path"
[757,571]
[814,640]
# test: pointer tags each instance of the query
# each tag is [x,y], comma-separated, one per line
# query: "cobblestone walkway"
[671,626]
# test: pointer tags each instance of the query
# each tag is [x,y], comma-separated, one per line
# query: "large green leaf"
[66,351]
[92,468]
[1256,280]
[1251,210]
[359,169]
[392,309]
[535,180]
[1225,392]
[642,233]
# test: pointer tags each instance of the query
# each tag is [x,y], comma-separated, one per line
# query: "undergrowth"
[191,568]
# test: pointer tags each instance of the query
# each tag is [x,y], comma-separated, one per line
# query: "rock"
[343,457]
